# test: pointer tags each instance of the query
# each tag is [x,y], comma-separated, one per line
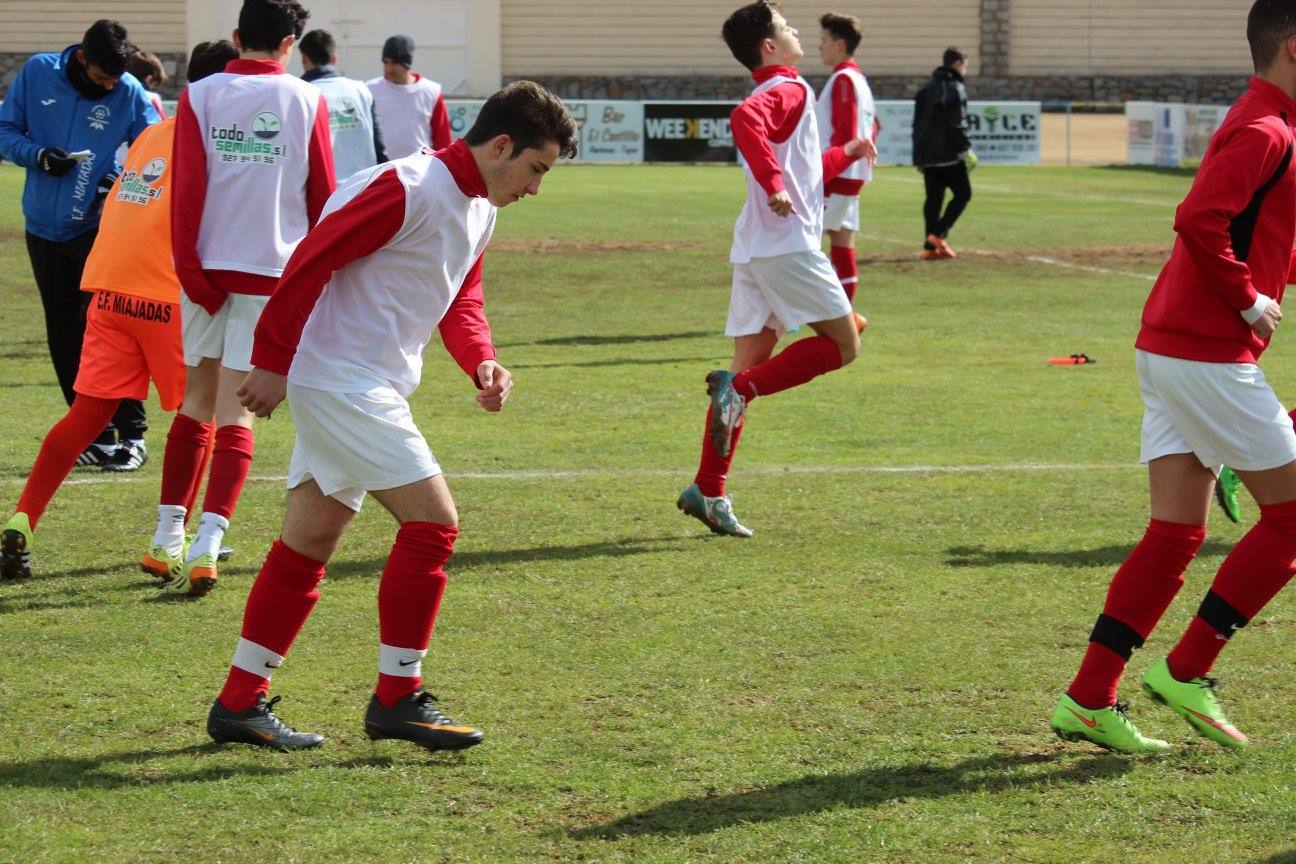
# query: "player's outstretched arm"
[262,391]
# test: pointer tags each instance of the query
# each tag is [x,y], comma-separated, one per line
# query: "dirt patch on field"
[1144,258]
[565,246]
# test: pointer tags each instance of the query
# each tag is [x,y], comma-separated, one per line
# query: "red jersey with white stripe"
[846,110]
[1234,237]
[253,168]
[412,116]
[776,131]
[397,253]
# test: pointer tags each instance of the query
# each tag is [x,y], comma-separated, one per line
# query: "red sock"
[230,463]
[281,599]
[186,443]
[59,451]
[796,364]
[1140,593]
[843,261]
[1259,566]
[712,467]
[191,500]
[409,596]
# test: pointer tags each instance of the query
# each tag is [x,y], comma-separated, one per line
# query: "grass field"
[868,679]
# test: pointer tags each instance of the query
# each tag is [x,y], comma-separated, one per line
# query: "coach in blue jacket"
[60,105]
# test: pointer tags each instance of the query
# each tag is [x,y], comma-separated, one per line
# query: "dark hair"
[530,115]
[263,24]
[1269,24]
[144,65]
[747,28]
[318,47]
[105,45]
[208,58]
[952,56]
[843,27]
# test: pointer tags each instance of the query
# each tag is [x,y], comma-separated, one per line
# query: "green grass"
[868,679]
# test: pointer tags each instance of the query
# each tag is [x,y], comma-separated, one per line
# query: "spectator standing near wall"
[63,119]
[942,151]
[410,107]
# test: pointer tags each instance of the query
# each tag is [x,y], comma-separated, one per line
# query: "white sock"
[211,530]
[169,533]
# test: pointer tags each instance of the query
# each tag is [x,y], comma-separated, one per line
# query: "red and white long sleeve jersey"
[253,168]
[1235,233]
[776,131]
[412,116]
[846,110]
[397,253]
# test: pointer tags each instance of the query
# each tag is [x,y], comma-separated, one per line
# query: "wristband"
[1257,310]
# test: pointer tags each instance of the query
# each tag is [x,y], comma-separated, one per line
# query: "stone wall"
[174,64]
[1209,89]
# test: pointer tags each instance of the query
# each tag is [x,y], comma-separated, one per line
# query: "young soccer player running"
[133,322]
[1208,319]
[782,279]
[399,252]
[845,111]
[253,168]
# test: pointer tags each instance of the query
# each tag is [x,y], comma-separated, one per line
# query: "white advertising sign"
[611,131]
[1002,133]
[1170,134]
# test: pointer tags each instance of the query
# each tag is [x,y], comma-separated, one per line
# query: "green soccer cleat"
[1226,493]
[1195,701]
[162,564]
[15,548]
[728,408]
[715,513]
[1109,728]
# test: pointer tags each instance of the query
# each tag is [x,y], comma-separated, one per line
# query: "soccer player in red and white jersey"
[845,110]
[398,253]
[1211,314]
[253,168]
[782,279]
[411,108]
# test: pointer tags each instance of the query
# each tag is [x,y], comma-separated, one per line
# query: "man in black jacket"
[942,151]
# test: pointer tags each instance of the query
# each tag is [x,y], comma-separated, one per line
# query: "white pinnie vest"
[256,131]
[866,113]
[759,232]
[350,124]
[405,113]
[377,313]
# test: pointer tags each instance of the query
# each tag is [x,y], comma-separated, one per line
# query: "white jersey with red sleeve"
[412,116]
[253,143]
[846,110]
[761,233]
[397,253]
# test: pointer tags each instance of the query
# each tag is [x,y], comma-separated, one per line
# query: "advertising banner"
[611,131]
[688,132]
[1170,134]
[1002,133]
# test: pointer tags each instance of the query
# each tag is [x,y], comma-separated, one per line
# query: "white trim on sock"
[401,662]
[256,659]
[169,532]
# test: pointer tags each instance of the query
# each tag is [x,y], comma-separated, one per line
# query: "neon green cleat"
[1195,701]
[1226,493]
[1109,728]
[162,564]
[15,548]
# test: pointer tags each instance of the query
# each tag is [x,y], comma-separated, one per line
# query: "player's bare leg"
[409,597]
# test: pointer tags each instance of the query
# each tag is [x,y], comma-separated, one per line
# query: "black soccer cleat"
[257,725]
[416,718]
[95,455]
[129,456]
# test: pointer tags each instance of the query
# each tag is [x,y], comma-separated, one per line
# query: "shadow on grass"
[619,361]
[1110,556]
[1288,857]
[622,339]
[1149,169]
[472,559]
[871,787]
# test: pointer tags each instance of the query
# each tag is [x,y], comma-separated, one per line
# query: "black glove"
[54,161]
[101,191]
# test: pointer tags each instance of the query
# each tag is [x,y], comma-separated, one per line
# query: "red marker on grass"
[1073,360]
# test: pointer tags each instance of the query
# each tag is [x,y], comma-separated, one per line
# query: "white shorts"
[1222,413]
[352,443]
[783,292]
[841,213]
[226,336]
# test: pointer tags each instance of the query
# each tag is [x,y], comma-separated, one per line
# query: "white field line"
[1036,193]
[1038,259]
[761,471]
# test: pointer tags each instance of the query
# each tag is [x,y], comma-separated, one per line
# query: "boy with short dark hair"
[353,123]
[782,279]
[398,252]
[410,106]
[253,168]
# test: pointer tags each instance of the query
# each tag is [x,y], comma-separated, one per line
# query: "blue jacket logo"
[98,118]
